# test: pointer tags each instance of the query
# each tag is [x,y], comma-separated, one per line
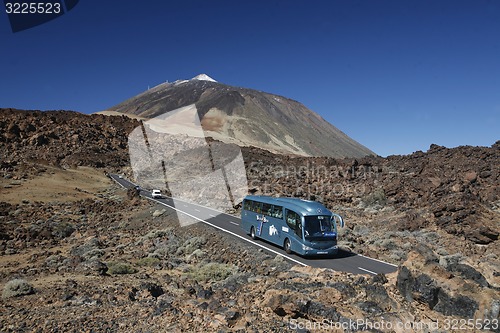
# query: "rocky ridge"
[62,138]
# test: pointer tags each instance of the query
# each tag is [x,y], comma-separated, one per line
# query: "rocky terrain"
[455,190]
[62,138]
[98,258]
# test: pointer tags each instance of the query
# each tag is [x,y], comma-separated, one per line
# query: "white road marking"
[117,182]
[195,209]
[383,262]
[233,223]
[371,272]
[211,215]
[204,207]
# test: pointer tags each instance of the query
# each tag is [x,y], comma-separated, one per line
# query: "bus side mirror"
[341,220]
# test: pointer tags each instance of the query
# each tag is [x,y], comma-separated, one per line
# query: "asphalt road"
[345,261]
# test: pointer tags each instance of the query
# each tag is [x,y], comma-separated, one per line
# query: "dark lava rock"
[62,229]
[154,289]
[312,308]
[371,308]
[377,294]
[461,306]
[67,296]
[93,267]
[469,272]
[214,305]
[423,288]
[482,235]
[405,283]
[345,289]
[132,294]
[204,293]
[89,245]
[164,303]
[232,316]
[203,305]
[426,290]
[379,278]
[427,253]
[234,282]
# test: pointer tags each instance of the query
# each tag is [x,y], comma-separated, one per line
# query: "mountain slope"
[247,117]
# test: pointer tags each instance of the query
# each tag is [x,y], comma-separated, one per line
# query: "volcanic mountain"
[246,117]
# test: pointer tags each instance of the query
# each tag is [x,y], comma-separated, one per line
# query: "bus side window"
[291,219]
[294,222]
[277,212]
[257,207]
[298,230]
[266,209]
[248,205]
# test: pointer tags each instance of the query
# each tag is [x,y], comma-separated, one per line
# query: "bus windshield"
[319,227]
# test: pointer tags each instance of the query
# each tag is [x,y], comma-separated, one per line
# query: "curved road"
[344,261]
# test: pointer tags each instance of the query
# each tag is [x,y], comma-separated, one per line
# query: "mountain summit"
[203,77]
[246,117]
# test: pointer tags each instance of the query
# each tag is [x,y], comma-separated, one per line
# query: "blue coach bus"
[301,226]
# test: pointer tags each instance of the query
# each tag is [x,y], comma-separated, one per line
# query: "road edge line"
[366,270]
[381,261]
[118,181]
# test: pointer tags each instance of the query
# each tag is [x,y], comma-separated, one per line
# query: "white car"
[156,194]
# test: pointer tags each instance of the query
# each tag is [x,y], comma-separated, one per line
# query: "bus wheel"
[252,233]
[287,246]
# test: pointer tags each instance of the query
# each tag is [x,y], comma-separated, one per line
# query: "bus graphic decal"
[273,230]
[262,220]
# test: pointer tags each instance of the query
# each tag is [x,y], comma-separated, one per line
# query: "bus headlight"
[306,248]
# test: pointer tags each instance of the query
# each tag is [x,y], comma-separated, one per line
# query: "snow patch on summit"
[203,77]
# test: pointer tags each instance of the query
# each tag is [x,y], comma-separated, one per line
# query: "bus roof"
[303,207]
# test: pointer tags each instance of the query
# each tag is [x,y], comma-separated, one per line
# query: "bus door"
[294,222]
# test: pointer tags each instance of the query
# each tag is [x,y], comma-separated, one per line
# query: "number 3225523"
[32,8]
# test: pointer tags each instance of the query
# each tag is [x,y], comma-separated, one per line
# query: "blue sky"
[394,75]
